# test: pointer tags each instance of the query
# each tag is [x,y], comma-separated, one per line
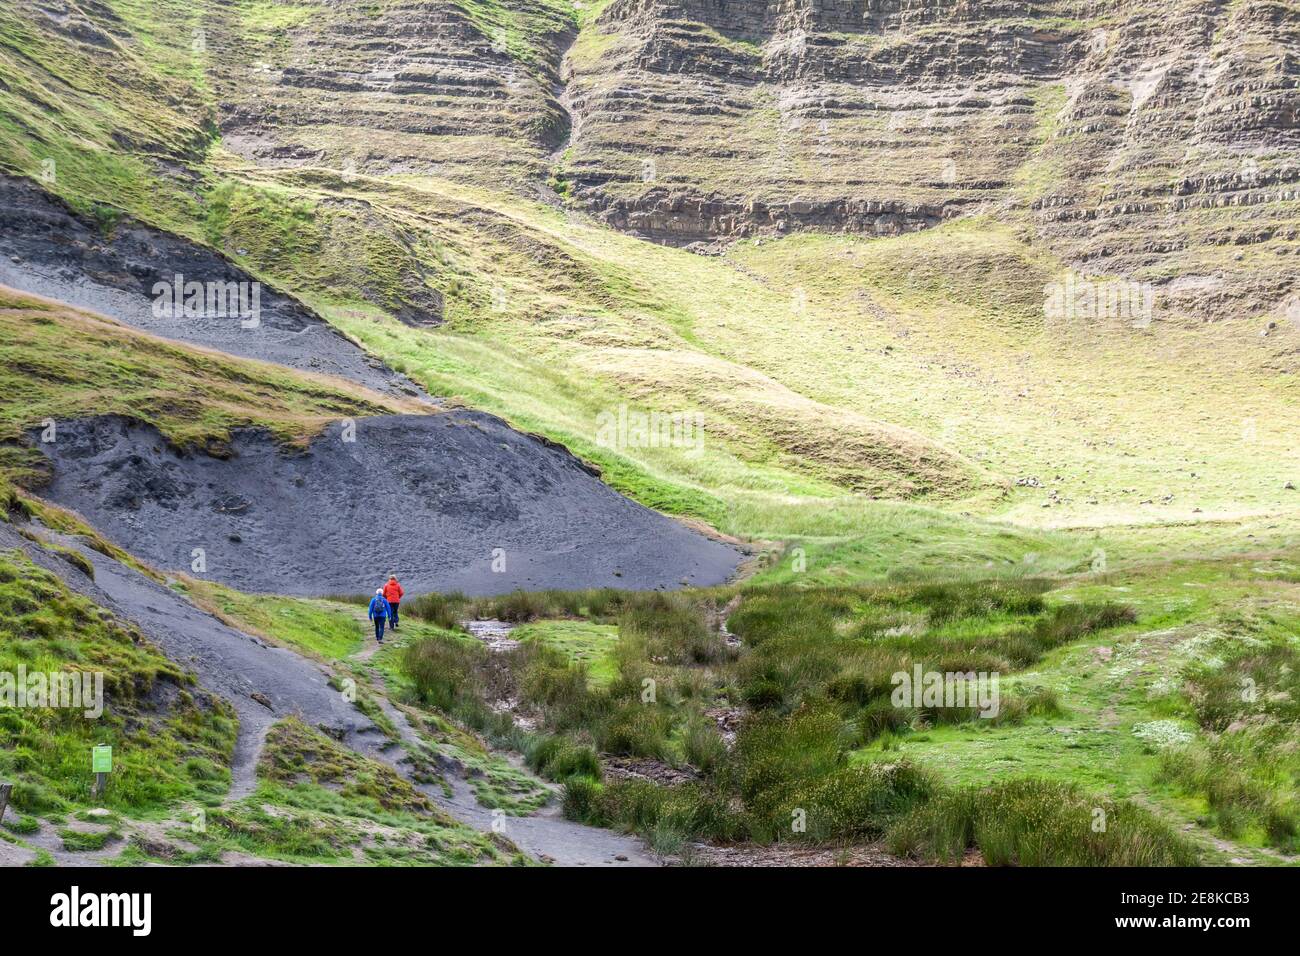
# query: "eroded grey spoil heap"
[47,249]
[430,497]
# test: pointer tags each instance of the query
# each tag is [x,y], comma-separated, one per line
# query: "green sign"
[101,760]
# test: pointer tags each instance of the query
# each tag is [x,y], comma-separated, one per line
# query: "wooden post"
[99,783]
[5,789]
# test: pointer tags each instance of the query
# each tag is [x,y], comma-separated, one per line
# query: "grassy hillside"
[933,470]
[59,363]
[172,739]
[835,376]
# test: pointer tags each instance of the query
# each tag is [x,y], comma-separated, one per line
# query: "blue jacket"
[379,607]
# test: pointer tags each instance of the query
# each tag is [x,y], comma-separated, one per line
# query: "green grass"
[869,405]
[296,753]
[171,741]
[326,628]
[319,802]
[310,824]
[581,641]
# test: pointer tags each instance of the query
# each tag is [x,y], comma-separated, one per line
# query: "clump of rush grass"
[814,669]
[443,610]
[561,759]
[1038,823]
[670,629]
[445,672]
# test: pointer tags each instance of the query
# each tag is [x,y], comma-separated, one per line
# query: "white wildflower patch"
[1122,671]
[1200,649]
[1163,733]
[1162,687]
[903,630]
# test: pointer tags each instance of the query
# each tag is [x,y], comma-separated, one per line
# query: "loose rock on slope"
[452,501]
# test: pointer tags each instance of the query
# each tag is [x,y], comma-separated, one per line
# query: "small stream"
[493,633]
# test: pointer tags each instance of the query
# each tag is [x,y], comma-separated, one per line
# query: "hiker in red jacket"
[393,595]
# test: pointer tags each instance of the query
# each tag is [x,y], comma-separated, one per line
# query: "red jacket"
[393,591]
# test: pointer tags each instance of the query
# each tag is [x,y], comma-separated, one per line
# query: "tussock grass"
[669,629]
[1247,767]
[1037,823]
[443,610]
[446,672]
[815,670]
[560,759]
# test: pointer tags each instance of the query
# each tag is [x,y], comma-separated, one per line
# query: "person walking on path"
[393,595]
[379,612]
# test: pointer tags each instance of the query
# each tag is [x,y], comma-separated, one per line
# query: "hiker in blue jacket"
[379,612]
